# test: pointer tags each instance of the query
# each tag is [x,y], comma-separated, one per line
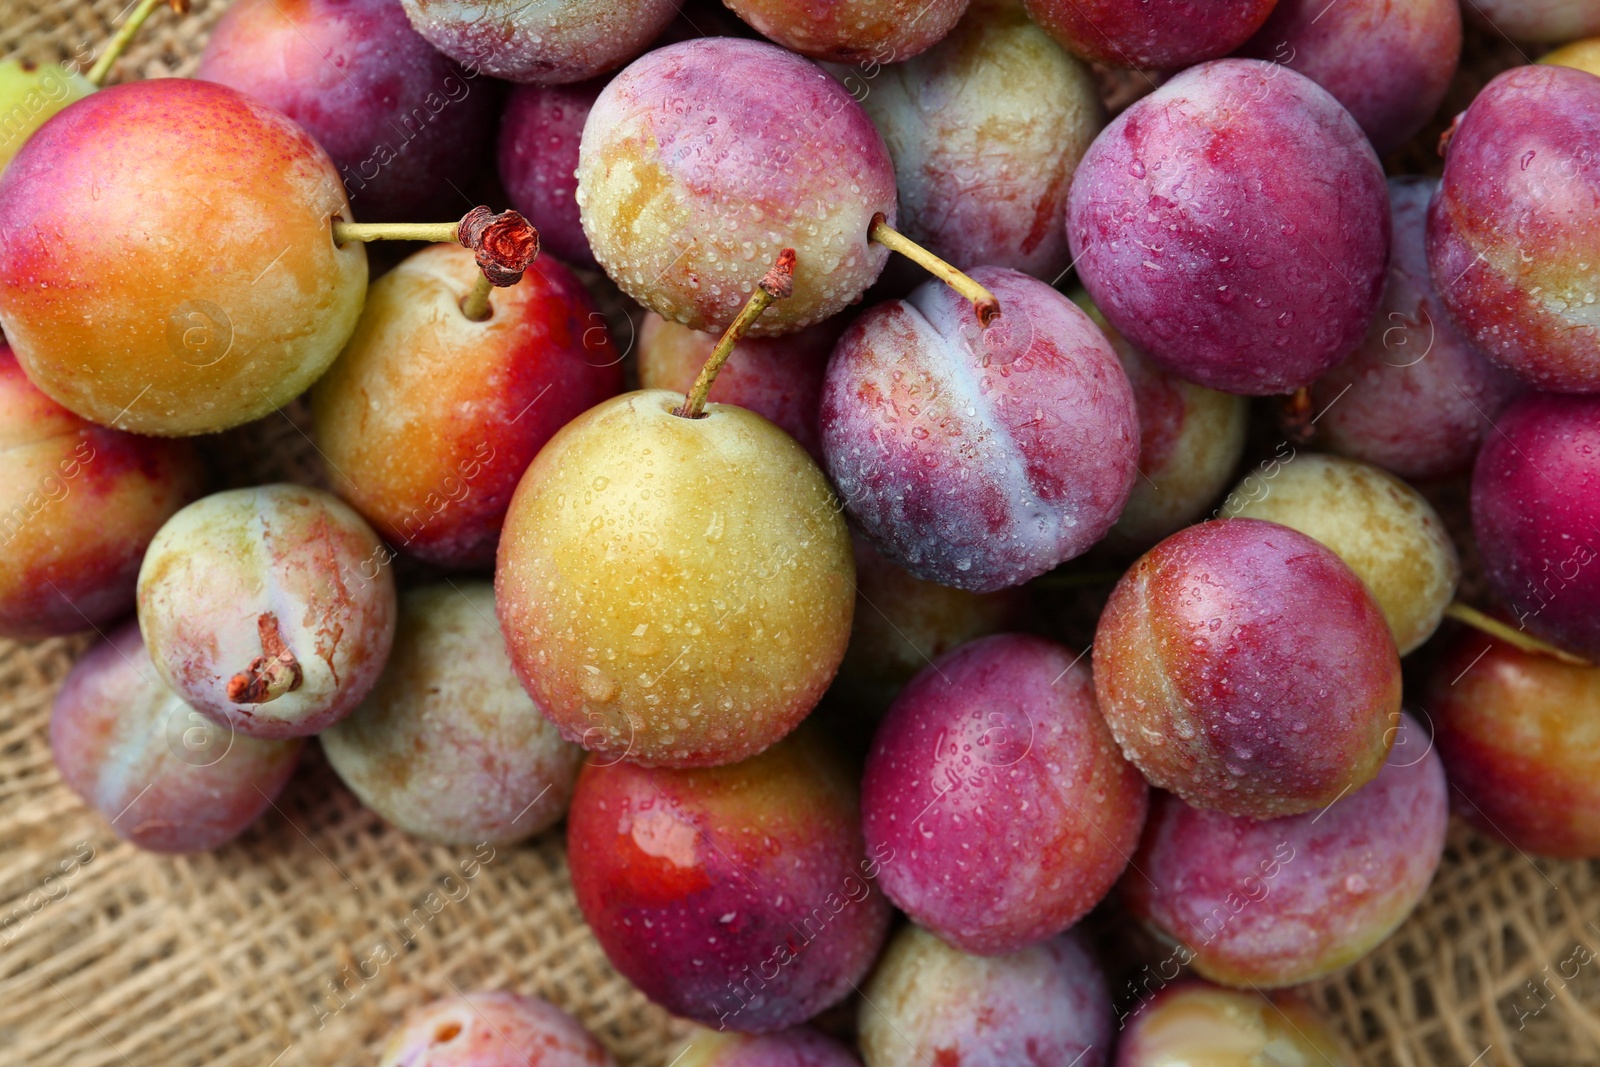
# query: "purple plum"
[538,157]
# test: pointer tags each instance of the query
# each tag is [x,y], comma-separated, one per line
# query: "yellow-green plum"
[428,419]
[673,590]
[269,609]
[1536,20]
[849,31]
[493,1029]
[447,745]
[29,94]
[1583,55]
[1195,1024]
[985,131]
[799,1047]
[167,264]
[1385,530]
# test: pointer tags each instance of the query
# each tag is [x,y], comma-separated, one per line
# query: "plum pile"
[879,638]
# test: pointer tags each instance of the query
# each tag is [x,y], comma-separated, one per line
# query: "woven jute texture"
[303,942]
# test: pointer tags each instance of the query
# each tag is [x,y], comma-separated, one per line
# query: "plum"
[546,42]
[1159,34]
[799,1047]
[1385,530]
[708,156]
[1582,55]
[1190,441]
[79,507]
[167,778]
[1388,64]
[269,610]
[1537,20]
[738,896]
[538,161]
[29,94]
[929,1003]
[166,264]
[778,378]
[1415,397]
[1233,226]
[428,419]
[1519,733]
[985,132]
[1245,667]
[447,745]
[848,31]
[1536,517]
[979,457]
[492,1029]
[1195,1023]
[1512,240]
[1283,901]
[404,124]
[1002,794]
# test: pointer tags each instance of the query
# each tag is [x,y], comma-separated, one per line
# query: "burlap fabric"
[304,942]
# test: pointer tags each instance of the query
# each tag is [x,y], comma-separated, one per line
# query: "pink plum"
[1163,34]
[849,31]
[979,457]
[538,159]
[1537,20]
[1233,226]
[497,1029]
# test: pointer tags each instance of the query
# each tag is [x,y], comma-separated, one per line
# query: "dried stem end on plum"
[983,301]
[1510,634]
[1295,417]
[271,674]
[505,245]
[777,284]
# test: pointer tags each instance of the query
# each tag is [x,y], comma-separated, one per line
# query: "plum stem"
[983,301]
[1296,416]
[1510,634]
[475,305]
[124,36]
[271,674]
[505,244]
[776,284]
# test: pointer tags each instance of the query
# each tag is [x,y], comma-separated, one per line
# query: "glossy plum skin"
[117,729]
[296,556]
[979,457]
[1233,226]
[1159,34]
[29,94]
[1245,667]
[494,1029]
[428,419]
[125,309]
[850,31]
[1002,794]
[401,121]
[674,591]
[1520,736]
[447,745]
[546,42]
[686,206]
[1388,64]
[1386,532]
[1284,901]
[778,378]
[1197,1023]
[78,507]
[739,896]
[1511,237]
[799,1047]
[1536,517]
[1415,397]
[1537,20]
[538,160]
[929,1003]
[985,131]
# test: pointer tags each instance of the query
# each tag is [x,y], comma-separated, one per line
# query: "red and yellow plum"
[985,131]
[447,745]
[269,610]
[1512,240]
[1282,901]
[538,159]
[1195,1024]
[1245,667]
[739,896]
[78,507]
[428,419]
[799,1047]
[850,31]
[681,201]
[1536,517]
[495,1029]
[167,778]
[1002,795]
[546,42]
[979,457]
[929,1003]
[1233,226]
[1520,736]
[1415,397]
[1159,34]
